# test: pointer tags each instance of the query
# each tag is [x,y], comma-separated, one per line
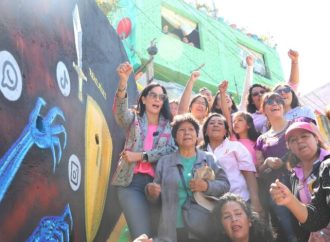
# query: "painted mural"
[59,141]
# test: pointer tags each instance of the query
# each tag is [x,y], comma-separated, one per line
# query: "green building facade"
[220,48]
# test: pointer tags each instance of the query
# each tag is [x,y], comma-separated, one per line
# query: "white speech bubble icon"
[10,77]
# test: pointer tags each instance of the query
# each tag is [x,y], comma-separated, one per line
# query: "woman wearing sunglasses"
[252,103]
[271,146]
[292,108]
[148,137]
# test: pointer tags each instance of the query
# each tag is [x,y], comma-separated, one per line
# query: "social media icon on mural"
[63,79]
[74,172]
[10,77]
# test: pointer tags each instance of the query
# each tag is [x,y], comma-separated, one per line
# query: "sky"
[301,25]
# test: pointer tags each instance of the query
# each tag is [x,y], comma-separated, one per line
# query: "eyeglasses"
[283,90]
[260,93]
[274,99]
[161,96]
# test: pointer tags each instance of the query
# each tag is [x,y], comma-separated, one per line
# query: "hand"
[293,55]
[123,71]
[130,156]
[198,185]
[280,193]
[154,190]
[223,86]
[249,60]
[194,76]
[274,162]
[143,238]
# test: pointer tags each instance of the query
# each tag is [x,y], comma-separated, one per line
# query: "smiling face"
[229,101]
[303,144]
[216,129]
[235,221]
[154,100]
[286,94]
[199,108]
[273,107]
[256,94]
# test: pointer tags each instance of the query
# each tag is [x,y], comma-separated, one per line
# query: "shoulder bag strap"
[183,180]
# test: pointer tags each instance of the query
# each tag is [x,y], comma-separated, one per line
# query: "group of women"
[160,157]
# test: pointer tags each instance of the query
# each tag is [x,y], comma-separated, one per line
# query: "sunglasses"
[283,90]
[260,93]
[274,99]
[161,96]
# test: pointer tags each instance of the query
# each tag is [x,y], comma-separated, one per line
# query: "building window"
[180,27]
[259,66]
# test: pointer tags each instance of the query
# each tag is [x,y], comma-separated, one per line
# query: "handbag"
[196,219]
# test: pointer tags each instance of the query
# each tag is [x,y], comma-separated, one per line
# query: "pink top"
[250,144]
[146,167]
[305,184]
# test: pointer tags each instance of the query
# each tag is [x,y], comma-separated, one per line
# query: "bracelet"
[121,90]
[294,62]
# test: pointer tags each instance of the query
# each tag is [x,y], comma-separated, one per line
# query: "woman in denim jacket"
[168,186]
[148,137]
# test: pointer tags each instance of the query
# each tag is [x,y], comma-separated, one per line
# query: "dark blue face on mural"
[59,141]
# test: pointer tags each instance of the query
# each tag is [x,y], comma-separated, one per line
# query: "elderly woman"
[236,222]
[305,143]
[148,132]
[168,186]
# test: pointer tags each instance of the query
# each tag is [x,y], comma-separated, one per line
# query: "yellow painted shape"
[115,233]
[98,153]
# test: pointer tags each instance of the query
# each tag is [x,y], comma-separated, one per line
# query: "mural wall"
[59,141]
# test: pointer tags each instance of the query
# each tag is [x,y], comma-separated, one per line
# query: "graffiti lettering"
[97,83]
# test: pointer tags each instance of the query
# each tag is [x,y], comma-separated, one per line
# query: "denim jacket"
[136,130]
[168,176]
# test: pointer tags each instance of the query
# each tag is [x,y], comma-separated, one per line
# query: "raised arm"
[223,86]
[123,115]
[247,83]
[294,73]
[186,95]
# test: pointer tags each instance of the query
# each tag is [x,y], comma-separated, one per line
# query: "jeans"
[135,206]
[285,222]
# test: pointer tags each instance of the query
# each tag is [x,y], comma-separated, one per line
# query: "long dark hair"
[214,108]
[252,133]
[295,100]
[259,230]
[206,123]
[141,107]
[251,107]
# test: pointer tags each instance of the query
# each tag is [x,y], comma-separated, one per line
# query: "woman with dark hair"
[148,137]
[292,108]
[216,105]
[309,151]
[169,188]
[233,157]
[235,221]
[256,91]
[270,147]
[198,106]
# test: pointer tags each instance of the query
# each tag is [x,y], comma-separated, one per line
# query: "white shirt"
[233,157]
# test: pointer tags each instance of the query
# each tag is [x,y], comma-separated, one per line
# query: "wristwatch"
[144,156]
